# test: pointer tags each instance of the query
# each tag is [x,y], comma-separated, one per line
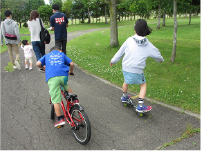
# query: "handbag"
[9,36]
[44,34]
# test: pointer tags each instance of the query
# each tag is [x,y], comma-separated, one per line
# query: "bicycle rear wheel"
[82,131]
[52,114]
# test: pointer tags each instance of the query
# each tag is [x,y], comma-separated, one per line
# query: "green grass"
[190,131]
[177,83]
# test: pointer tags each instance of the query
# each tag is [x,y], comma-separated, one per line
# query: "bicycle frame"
[66,112]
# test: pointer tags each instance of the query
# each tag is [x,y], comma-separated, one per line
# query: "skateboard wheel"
[60,126]
[125,104]
[141,114]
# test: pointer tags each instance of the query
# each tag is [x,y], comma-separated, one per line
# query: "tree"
[78,9]
[113,24]
[66,8]
[89,4]
[105,2]
[175,32]
[45,12]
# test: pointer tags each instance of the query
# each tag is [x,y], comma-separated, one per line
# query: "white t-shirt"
[35,28]
[27,51]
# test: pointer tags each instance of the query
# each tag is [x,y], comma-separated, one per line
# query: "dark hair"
[141,28]
[7,13]
[34,14]
[24,42]
[55,48]
[55,7]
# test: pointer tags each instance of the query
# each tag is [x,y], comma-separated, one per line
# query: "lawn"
[177,83]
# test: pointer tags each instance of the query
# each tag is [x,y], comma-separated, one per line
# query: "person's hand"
[111,64]
[49,28]
[1,45]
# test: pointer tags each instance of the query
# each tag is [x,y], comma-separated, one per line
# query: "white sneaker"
[14,67]
[17,65]
[30,68]
[26,66]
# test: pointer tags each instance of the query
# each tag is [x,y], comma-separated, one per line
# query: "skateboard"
[130,102]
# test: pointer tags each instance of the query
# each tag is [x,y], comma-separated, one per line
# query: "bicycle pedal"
[60,126]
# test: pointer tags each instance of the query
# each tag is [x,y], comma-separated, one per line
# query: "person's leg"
[125,96]
[55,94]
[26,63]
[36,48]
[63,44]
[142,94]
[42,49]
[125,87]
[58,42]
[16,50]
[31,63]
[10,52]
[143,89]
[70,90]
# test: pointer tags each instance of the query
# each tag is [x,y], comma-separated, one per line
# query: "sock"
[125,94]
[59,117]
[141,102]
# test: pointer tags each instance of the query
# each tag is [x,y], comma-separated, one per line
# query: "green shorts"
[54,84]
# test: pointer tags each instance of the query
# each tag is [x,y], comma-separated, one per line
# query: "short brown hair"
[34,14]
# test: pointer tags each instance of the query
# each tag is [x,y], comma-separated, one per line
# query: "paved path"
[26,123]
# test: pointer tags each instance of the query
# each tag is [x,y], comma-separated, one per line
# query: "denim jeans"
[39,49]
[61,43]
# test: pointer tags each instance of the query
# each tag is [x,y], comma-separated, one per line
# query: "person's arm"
[119,54]
[16,28]
[52,24]
[71,67]
[2,30]
[66,24]
[40,63]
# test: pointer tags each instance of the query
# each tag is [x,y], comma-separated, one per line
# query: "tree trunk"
[159,15]
[175,33]
[89,16]
[189,18]
[106,14]
[113,24]
[164,13]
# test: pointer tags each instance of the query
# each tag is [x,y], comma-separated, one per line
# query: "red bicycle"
[75,116]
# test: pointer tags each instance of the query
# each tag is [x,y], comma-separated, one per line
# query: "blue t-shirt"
[59,21]
[57,64]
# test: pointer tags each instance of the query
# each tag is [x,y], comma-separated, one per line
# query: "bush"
[25,25]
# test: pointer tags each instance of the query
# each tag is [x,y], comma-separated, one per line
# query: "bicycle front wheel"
[82,131]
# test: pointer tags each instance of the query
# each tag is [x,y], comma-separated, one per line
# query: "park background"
[175,83]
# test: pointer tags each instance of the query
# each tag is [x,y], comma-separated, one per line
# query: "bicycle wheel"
[52,114]
[82,131]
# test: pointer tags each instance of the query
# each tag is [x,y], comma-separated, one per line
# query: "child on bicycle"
[136,49]
[56,72]
[27,54]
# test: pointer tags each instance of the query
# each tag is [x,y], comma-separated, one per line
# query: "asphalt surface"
[26,123]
